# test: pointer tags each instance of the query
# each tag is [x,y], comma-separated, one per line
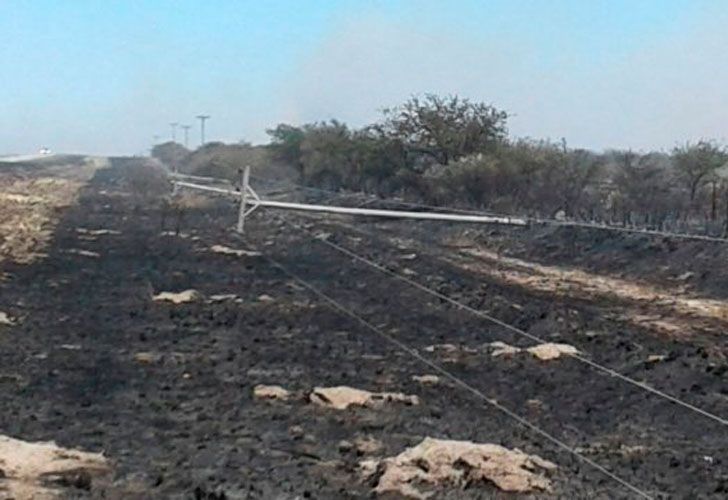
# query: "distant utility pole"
[202,119]
[154,143]
[174,131]
[187,134]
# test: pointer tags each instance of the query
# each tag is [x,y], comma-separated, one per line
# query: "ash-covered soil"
[166,391]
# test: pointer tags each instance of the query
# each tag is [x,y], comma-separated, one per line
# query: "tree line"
[451,151]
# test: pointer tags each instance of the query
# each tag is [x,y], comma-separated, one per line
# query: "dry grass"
[191,201]
[30,208]
[673,312]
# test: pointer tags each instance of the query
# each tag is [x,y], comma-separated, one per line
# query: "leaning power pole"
[202,119]
[174,131]
[187,134]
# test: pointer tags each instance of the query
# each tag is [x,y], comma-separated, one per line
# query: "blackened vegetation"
[184,424]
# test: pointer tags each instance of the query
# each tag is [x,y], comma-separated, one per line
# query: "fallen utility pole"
[249,197]
[202,178]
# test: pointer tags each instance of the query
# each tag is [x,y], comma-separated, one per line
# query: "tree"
[170,153]
[285,144]
[644,185]
[549,177]
[326,154]
[695,164]
[379,161]
[225,160]
[575,170]
[478,180]
[528,175]
[445,128]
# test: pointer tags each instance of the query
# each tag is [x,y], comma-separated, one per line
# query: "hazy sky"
[106,76]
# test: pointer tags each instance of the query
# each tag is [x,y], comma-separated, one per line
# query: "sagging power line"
[248,196]
[459,382]
[531,220]
[534,338]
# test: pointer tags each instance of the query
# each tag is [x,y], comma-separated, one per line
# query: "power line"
[534,220]
[481,314]
[454,379]
[514,329]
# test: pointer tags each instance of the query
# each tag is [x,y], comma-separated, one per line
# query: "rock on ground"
[29,470]
[549,351]
[444,463]
[426,379]
[5,319]
[342,397]
[544,352]
[271,392]
[222,249]
[178,297]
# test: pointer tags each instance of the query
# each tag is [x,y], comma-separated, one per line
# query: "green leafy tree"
[445,128]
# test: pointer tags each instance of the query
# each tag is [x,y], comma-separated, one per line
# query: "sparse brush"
[176,207]
[28,210]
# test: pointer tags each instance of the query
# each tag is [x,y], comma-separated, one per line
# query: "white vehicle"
[44,151]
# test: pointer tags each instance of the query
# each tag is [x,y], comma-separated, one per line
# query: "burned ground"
[166,390]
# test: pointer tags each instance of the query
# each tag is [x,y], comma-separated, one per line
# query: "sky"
[107,76]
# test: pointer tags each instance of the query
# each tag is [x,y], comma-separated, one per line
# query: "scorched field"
[149,351]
